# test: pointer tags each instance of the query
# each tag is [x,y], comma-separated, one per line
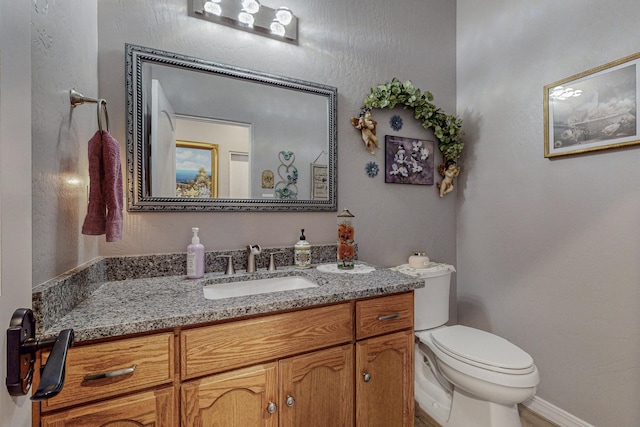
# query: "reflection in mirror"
[196,173]
[274,137]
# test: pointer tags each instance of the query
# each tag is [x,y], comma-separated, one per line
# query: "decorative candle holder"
[346,243]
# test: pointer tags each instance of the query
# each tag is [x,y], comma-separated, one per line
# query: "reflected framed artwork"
[319,181]
[408,160]
[196,169]
[593,110]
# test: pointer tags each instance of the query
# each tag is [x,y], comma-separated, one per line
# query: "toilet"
[464,377]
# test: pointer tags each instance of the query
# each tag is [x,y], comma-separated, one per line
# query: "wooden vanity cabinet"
[342,365]
[312,390]
[384,362]
[300,373]
[151,408]
[141,367]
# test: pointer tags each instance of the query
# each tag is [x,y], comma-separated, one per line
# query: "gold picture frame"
[594,110]
[192,159]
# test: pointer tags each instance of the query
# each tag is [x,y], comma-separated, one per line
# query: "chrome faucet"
[252,251]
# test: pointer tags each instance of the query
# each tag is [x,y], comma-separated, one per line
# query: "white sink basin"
[255,287]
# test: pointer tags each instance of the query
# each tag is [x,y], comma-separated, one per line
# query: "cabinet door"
[241,398]
[152,408]
[384,381]
[317,389]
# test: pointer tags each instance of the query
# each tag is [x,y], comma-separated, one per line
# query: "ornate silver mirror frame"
[138,60]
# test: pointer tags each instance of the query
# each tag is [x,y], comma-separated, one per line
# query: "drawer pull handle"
[366,377]
[272,408]
[111,374]
[389,316]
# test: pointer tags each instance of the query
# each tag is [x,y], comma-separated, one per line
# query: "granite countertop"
[123,307]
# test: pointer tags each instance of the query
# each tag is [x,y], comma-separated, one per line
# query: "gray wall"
[64,51]
[15,186]
[548,250]
[350,46]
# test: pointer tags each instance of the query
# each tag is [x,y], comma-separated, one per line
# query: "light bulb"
[245,18]
[284,15]
[251,6]
[213,7]
[277,28]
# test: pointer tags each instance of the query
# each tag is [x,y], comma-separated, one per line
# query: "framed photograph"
[408,160]
[196,169]
[593,110]
[319,189]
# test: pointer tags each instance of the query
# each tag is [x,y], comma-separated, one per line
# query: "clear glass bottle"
[346,242]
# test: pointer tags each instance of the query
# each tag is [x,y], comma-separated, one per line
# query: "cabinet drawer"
[218,348]
[383,315]
[152,356]
[151,408]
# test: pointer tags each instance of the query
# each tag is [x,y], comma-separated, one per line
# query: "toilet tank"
[431,303]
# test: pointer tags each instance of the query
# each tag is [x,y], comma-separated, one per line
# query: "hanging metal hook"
[102,111]
[76,98]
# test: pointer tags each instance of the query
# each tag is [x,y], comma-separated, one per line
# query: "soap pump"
[195,257]
[302,252]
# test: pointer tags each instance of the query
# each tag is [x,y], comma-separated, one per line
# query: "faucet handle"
[230,270]
[272,263]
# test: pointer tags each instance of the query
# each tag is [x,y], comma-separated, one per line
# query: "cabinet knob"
[290,401]
[272,408]
[367,377]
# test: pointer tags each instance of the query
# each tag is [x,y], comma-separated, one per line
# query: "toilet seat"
[482,349]
[478,354]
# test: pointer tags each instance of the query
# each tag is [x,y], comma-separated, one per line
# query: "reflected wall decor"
[196,169]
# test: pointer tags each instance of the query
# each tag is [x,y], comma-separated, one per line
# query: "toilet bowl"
[464,377]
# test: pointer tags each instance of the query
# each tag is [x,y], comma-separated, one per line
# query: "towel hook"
[76,98]
[102,110]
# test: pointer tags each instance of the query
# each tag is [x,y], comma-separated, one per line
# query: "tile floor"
[527,418]
[424,420]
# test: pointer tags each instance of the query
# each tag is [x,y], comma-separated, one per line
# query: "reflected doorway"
[233,143]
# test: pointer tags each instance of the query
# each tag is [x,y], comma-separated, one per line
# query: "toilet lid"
[482,349]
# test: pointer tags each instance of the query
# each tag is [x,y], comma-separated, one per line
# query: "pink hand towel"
[104,213]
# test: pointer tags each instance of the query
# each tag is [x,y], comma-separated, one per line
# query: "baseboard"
[554,414]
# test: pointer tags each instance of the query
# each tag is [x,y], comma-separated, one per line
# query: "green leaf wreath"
[447,128]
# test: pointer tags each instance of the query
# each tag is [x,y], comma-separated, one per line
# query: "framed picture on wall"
[593,110]
[196,169]
[408,160]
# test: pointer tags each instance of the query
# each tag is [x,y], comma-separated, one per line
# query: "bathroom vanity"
[338,354]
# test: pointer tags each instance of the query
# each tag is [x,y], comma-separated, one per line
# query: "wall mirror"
[204,136]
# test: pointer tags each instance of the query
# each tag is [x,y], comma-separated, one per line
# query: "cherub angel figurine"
[367,126]
[449,171]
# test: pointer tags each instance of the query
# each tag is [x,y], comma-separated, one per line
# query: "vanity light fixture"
[248,15]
